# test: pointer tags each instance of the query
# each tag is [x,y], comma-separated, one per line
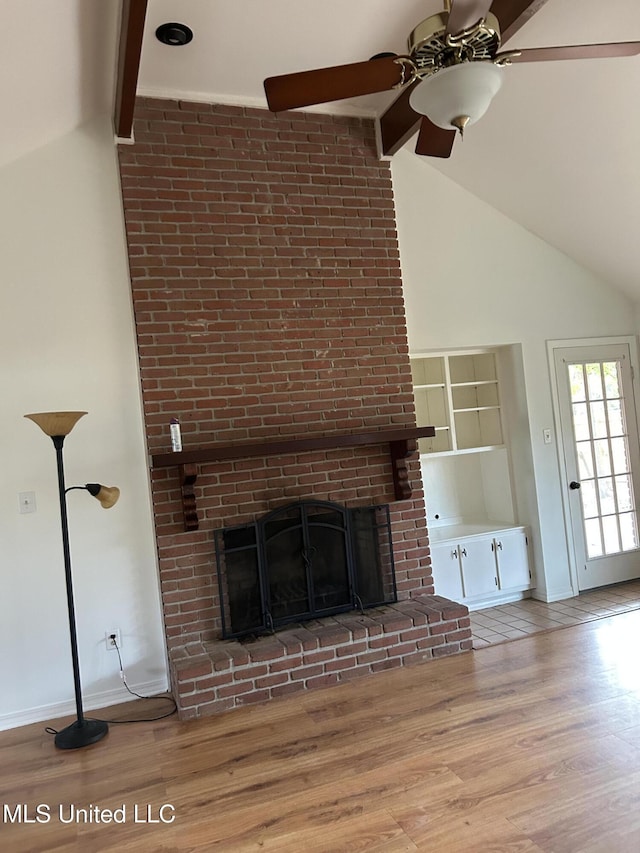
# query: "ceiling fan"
[447,80]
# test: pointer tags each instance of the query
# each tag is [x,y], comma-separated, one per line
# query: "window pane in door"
[593,537]
[611,378]
[623,493]
[589,499]
[598,419]
[628,531]
[585,459]
[605,493]
[576,380]
[614,410]
[603,458]
[581,422]
[619,455]
[594,381]
[610,533]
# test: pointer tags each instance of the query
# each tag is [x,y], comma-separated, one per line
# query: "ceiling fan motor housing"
[430,51]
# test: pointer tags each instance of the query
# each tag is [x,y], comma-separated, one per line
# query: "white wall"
[472,277]
[67,343]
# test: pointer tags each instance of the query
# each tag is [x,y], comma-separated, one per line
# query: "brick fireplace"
[268,306]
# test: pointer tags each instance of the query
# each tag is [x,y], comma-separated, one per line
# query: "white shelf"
[474,383]
[485,448]
[476,409]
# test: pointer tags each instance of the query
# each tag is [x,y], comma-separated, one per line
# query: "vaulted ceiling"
[557,151]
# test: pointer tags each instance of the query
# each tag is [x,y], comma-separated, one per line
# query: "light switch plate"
[27,501]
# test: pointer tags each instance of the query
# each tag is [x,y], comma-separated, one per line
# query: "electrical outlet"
[111,645]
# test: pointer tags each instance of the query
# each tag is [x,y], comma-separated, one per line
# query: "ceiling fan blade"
[578,51]
[290,91]
[399,122]
[434,141]
[466,13]
[514,14]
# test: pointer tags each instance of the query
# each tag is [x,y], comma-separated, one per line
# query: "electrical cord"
[138,695]
[170,713]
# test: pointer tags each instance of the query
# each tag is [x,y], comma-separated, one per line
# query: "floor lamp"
[57,425]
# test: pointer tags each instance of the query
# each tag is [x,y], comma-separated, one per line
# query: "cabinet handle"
[499,546]
[496,580]
[454,554]
[463,552]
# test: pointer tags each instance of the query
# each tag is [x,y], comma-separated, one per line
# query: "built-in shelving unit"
[459,395]
[467,478]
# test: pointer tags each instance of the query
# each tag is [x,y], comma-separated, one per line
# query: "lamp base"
[81,733]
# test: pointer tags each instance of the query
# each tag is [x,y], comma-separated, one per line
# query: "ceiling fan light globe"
[465,90]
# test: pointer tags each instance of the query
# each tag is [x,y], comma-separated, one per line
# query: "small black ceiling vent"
[174,34]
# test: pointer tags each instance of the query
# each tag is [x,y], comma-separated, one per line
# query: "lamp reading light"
[107,495]
[57,425]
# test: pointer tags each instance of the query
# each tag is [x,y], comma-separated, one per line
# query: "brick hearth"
[214,677]
[268,305]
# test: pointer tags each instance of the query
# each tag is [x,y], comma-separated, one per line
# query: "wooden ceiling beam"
[129,52]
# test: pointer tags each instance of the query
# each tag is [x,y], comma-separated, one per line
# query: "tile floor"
[523,618]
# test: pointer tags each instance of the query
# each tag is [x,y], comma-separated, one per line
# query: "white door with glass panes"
[602,460]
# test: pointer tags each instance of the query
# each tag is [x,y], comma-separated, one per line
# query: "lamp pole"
[82,732]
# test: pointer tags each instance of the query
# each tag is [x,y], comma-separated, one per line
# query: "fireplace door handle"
[307,556]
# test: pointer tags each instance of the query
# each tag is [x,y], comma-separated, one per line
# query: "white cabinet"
[478,565]
[482,569]
[445,565]
[512,559]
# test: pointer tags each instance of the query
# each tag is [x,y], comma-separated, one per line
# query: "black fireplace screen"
[301,562]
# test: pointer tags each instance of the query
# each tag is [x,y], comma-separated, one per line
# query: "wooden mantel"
[402,444]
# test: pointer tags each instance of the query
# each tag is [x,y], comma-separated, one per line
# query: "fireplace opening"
[303,561]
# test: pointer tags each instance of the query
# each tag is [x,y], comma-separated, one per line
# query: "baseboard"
[549,597]
[497,599]
[90,702]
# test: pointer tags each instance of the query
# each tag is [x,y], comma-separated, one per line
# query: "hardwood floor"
[531,745]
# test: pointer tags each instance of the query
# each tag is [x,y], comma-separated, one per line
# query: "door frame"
[632,342]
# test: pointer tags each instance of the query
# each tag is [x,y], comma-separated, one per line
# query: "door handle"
[573,485]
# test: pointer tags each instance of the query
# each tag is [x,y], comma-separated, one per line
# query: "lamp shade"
[458,95]
[56,423]
[107,495]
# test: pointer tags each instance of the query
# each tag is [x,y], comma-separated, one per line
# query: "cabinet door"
[446,571]
[478,567]
[513,560]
